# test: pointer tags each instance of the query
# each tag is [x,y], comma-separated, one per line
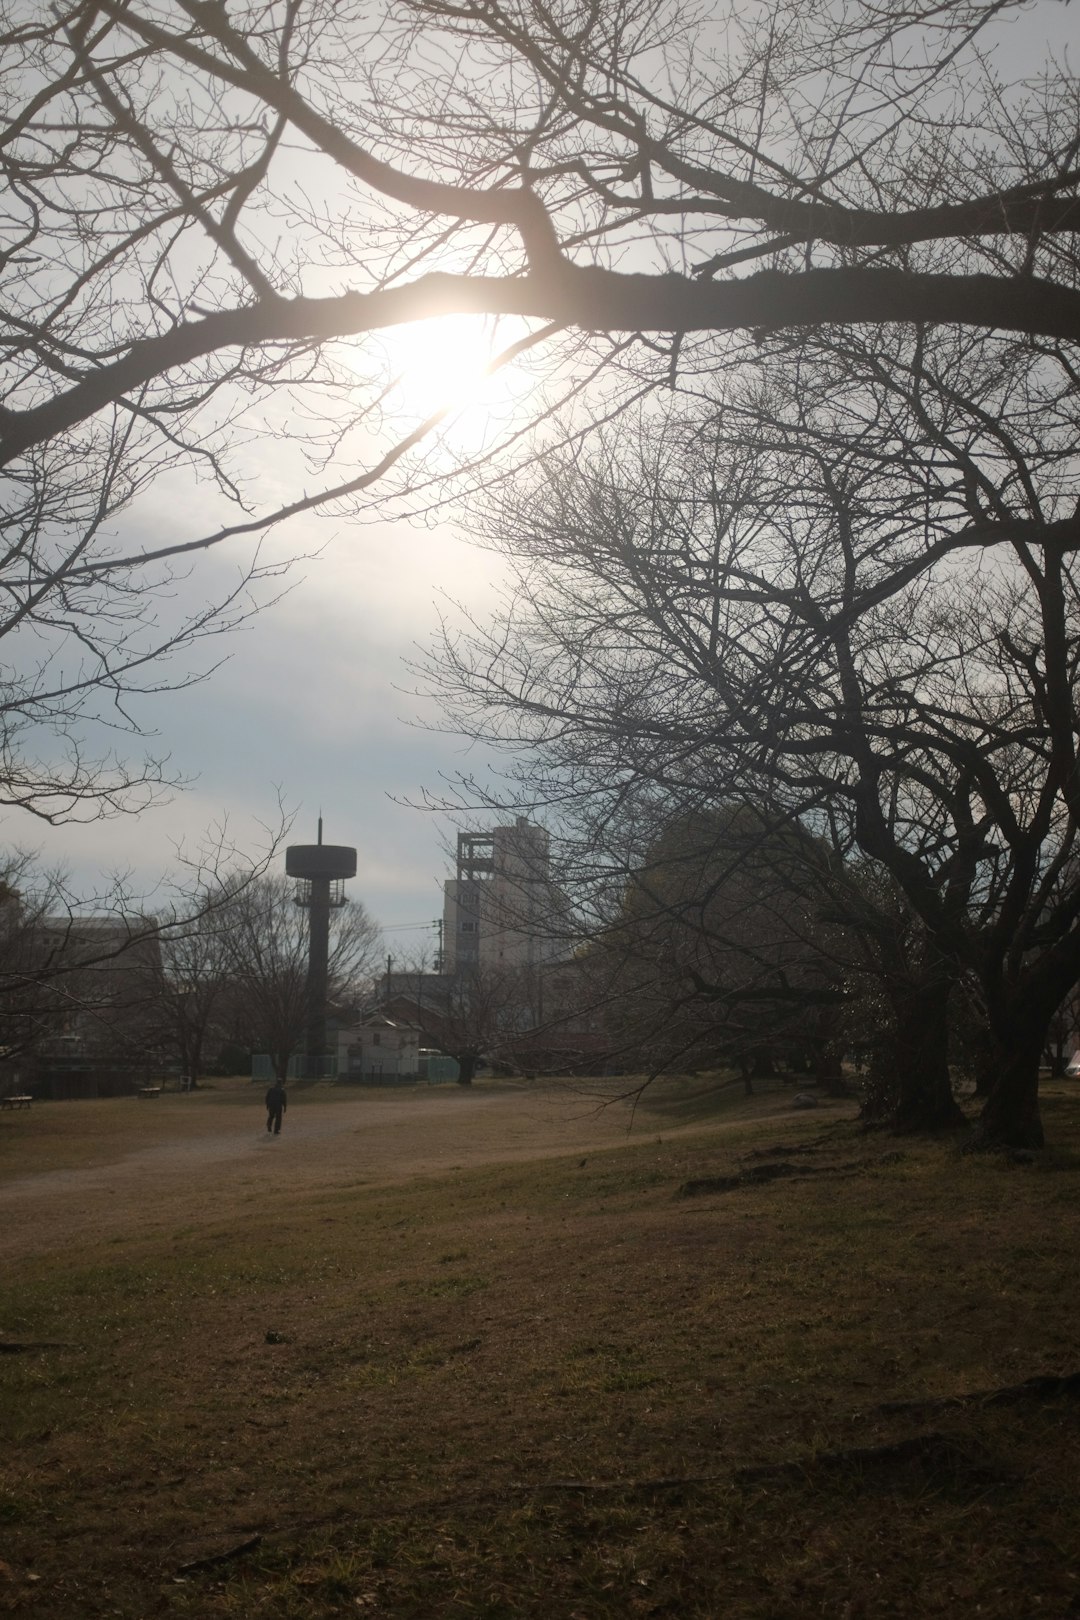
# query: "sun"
[445,365]
[439,363]
[468,378]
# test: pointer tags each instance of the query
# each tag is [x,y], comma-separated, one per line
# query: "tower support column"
[320,870]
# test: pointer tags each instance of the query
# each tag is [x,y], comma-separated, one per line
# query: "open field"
[439,1354]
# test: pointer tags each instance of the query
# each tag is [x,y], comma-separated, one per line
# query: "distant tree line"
[192,990]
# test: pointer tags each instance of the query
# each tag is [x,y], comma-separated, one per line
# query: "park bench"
[20,1101]
[149,1091]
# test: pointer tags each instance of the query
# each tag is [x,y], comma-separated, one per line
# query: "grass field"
[473,1356]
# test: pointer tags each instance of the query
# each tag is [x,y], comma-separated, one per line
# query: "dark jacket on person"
[276,1100]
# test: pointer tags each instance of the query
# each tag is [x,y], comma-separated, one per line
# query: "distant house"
[377,1049]
[91,995]
[547,1019]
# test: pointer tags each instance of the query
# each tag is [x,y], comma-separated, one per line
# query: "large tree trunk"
[985,1069]
[984,1060]
[828,1052]
[1055,1050]
[924,1098]
[194,1065]
[829,1072]
[1010,1116]
[466,1068]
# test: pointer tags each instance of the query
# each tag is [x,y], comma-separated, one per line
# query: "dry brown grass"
[527,1387]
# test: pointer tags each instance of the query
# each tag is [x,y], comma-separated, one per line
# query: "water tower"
[320,871]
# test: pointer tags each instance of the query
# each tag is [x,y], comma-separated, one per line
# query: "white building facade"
[500,910]
[379,1050]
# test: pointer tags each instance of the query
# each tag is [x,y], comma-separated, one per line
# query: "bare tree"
[267,947]
[31,1006]
[80,655]
[210,203]
[903,1013]
[213,212]
[721,953]
[195,986]
[116,974]
[484,1015]
[79,982]
[481,1012]
[871,631]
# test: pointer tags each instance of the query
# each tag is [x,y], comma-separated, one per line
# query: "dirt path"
[197,1174]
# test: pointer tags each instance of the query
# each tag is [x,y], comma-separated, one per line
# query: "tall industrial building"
[500,910]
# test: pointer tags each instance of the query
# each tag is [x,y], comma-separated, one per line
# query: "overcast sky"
[311,702]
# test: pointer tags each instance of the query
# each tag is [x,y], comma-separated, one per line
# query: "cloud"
[311,700]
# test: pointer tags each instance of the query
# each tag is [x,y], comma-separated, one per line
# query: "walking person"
[276,1104]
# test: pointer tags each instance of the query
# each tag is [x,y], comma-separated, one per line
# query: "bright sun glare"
[443,363]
